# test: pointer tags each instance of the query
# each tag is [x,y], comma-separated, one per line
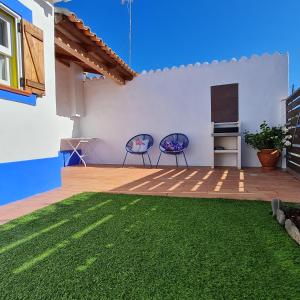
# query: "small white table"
[75,143]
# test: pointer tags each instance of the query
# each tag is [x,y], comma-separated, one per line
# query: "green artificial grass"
[103,246]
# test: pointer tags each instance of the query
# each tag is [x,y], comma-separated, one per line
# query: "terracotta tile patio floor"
[250,183]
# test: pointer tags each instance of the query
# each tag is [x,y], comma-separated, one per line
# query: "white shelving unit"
[226,141]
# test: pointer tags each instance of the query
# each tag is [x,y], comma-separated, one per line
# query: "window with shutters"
[21,54]
[10,44]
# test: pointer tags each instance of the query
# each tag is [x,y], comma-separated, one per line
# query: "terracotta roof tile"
[93,37]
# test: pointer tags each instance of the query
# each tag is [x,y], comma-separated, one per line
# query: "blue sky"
[168,33]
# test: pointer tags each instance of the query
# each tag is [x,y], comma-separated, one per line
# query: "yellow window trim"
[14,77]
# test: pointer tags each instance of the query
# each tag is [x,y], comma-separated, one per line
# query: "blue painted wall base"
[26,178]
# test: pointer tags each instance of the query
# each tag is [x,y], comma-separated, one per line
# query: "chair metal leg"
[185,160]
[176,160]
[149,159]
[158,159]
[125,159]
[143,159]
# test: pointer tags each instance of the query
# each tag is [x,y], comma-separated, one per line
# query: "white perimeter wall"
[30,132]
[178,100]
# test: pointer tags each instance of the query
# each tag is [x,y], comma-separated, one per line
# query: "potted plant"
[270,142]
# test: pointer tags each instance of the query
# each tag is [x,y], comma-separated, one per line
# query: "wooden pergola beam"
[77,51]
[66,57]
[91,45]
[65,25]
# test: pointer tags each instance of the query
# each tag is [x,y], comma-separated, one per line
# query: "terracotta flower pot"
[268,158]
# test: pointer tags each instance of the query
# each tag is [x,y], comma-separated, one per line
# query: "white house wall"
[29,129]
[30,132]
[178,100]
[69,100]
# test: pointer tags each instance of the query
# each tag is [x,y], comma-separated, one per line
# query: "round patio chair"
[174,144]
[139,145]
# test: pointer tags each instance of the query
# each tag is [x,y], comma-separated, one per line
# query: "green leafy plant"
[267,137]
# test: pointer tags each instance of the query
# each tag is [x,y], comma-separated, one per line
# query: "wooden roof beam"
[91,47]
[79,53]
[68,26]
[86,42]
[67,23]
[66,57]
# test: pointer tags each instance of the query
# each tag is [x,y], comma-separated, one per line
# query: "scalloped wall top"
[214,62]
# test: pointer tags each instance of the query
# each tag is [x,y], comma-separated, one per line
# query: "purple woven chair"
[174,144]
[145,150]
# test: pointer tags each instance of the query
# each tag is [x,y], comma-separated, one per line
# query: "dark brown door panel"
[224,103]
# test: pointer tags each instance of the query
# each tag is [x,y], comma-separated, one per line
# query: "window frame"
[7,71]
[6,50]
[9,52]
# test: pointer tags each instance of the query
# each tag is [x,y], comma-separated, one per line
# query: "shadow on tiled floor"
[250,183]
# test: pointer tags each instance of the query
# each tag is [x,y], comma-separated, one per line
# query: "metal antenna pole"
[130,32]
[129,7]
